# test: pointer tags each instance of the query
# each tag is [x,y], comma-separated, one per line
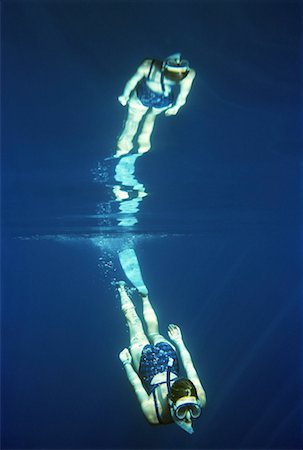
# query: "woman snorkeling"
[152,368]
[156,87]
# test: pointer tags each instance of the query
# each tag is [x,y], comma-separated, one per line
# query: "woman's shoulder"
[148,62]
[149,410]
[143,68]
[191,74]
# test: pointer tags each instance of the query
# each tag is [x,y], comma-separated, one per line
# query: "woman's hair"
[182,387]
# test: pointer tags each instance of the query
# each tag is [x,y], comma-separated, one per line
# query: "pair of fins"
[130,265]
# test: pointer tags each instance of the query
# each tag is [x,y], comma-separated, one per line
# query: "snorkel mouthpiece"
[185,426]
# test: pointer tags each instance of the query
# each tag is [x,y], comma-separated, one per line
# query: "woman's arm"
[141,72]
[175,335]
[136,383]
[185,87]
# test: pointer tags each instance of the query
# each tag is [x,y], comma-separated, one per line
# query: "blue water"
[218,236]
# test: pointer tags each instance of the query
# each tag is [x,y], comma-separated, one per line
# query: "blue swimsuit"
[153,99]
[154,360]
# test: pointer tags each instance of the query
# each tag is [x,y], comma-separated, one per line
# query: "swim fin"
[130,265]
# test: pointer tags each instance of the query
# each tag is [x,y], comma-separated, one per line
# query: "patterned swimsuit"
[154,360]
[153,99]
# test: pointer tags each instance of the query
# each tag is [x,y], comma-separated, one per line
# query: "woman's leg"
[151,321]
[145,135]
[147,129]
[137,336]
[135,113]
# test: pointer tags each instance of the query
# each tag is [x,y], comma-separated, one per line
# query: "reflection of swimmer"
[153,88]
[123,194]
[152,368]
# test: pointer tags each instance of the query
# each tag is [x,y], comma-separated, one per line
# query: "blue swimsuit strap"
[150,69]
[162,75]
[167,382]
[156,406]
[155,400]
[162,81]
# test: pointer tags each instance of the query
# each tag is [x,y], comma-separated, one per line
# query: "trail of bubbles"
[101,173]
[107,265]
[104,212]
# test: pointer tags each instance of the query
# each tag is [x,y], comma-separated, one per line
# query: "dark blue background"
[218,237]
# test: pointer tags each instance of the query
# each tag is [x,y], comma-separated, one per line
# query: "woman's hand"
[172,111]
[123,100]
[125,356]
[174,333]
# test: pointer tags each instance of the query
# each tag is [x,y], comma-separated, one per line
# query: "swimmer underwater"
[152,368]
[157,86]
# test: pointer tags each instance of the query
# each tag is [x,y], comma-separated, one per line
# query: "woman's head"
[175,68]
[184,403]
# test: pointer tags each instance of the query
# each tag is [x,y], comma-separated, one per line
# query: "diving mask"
[174,63]
[184,404]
